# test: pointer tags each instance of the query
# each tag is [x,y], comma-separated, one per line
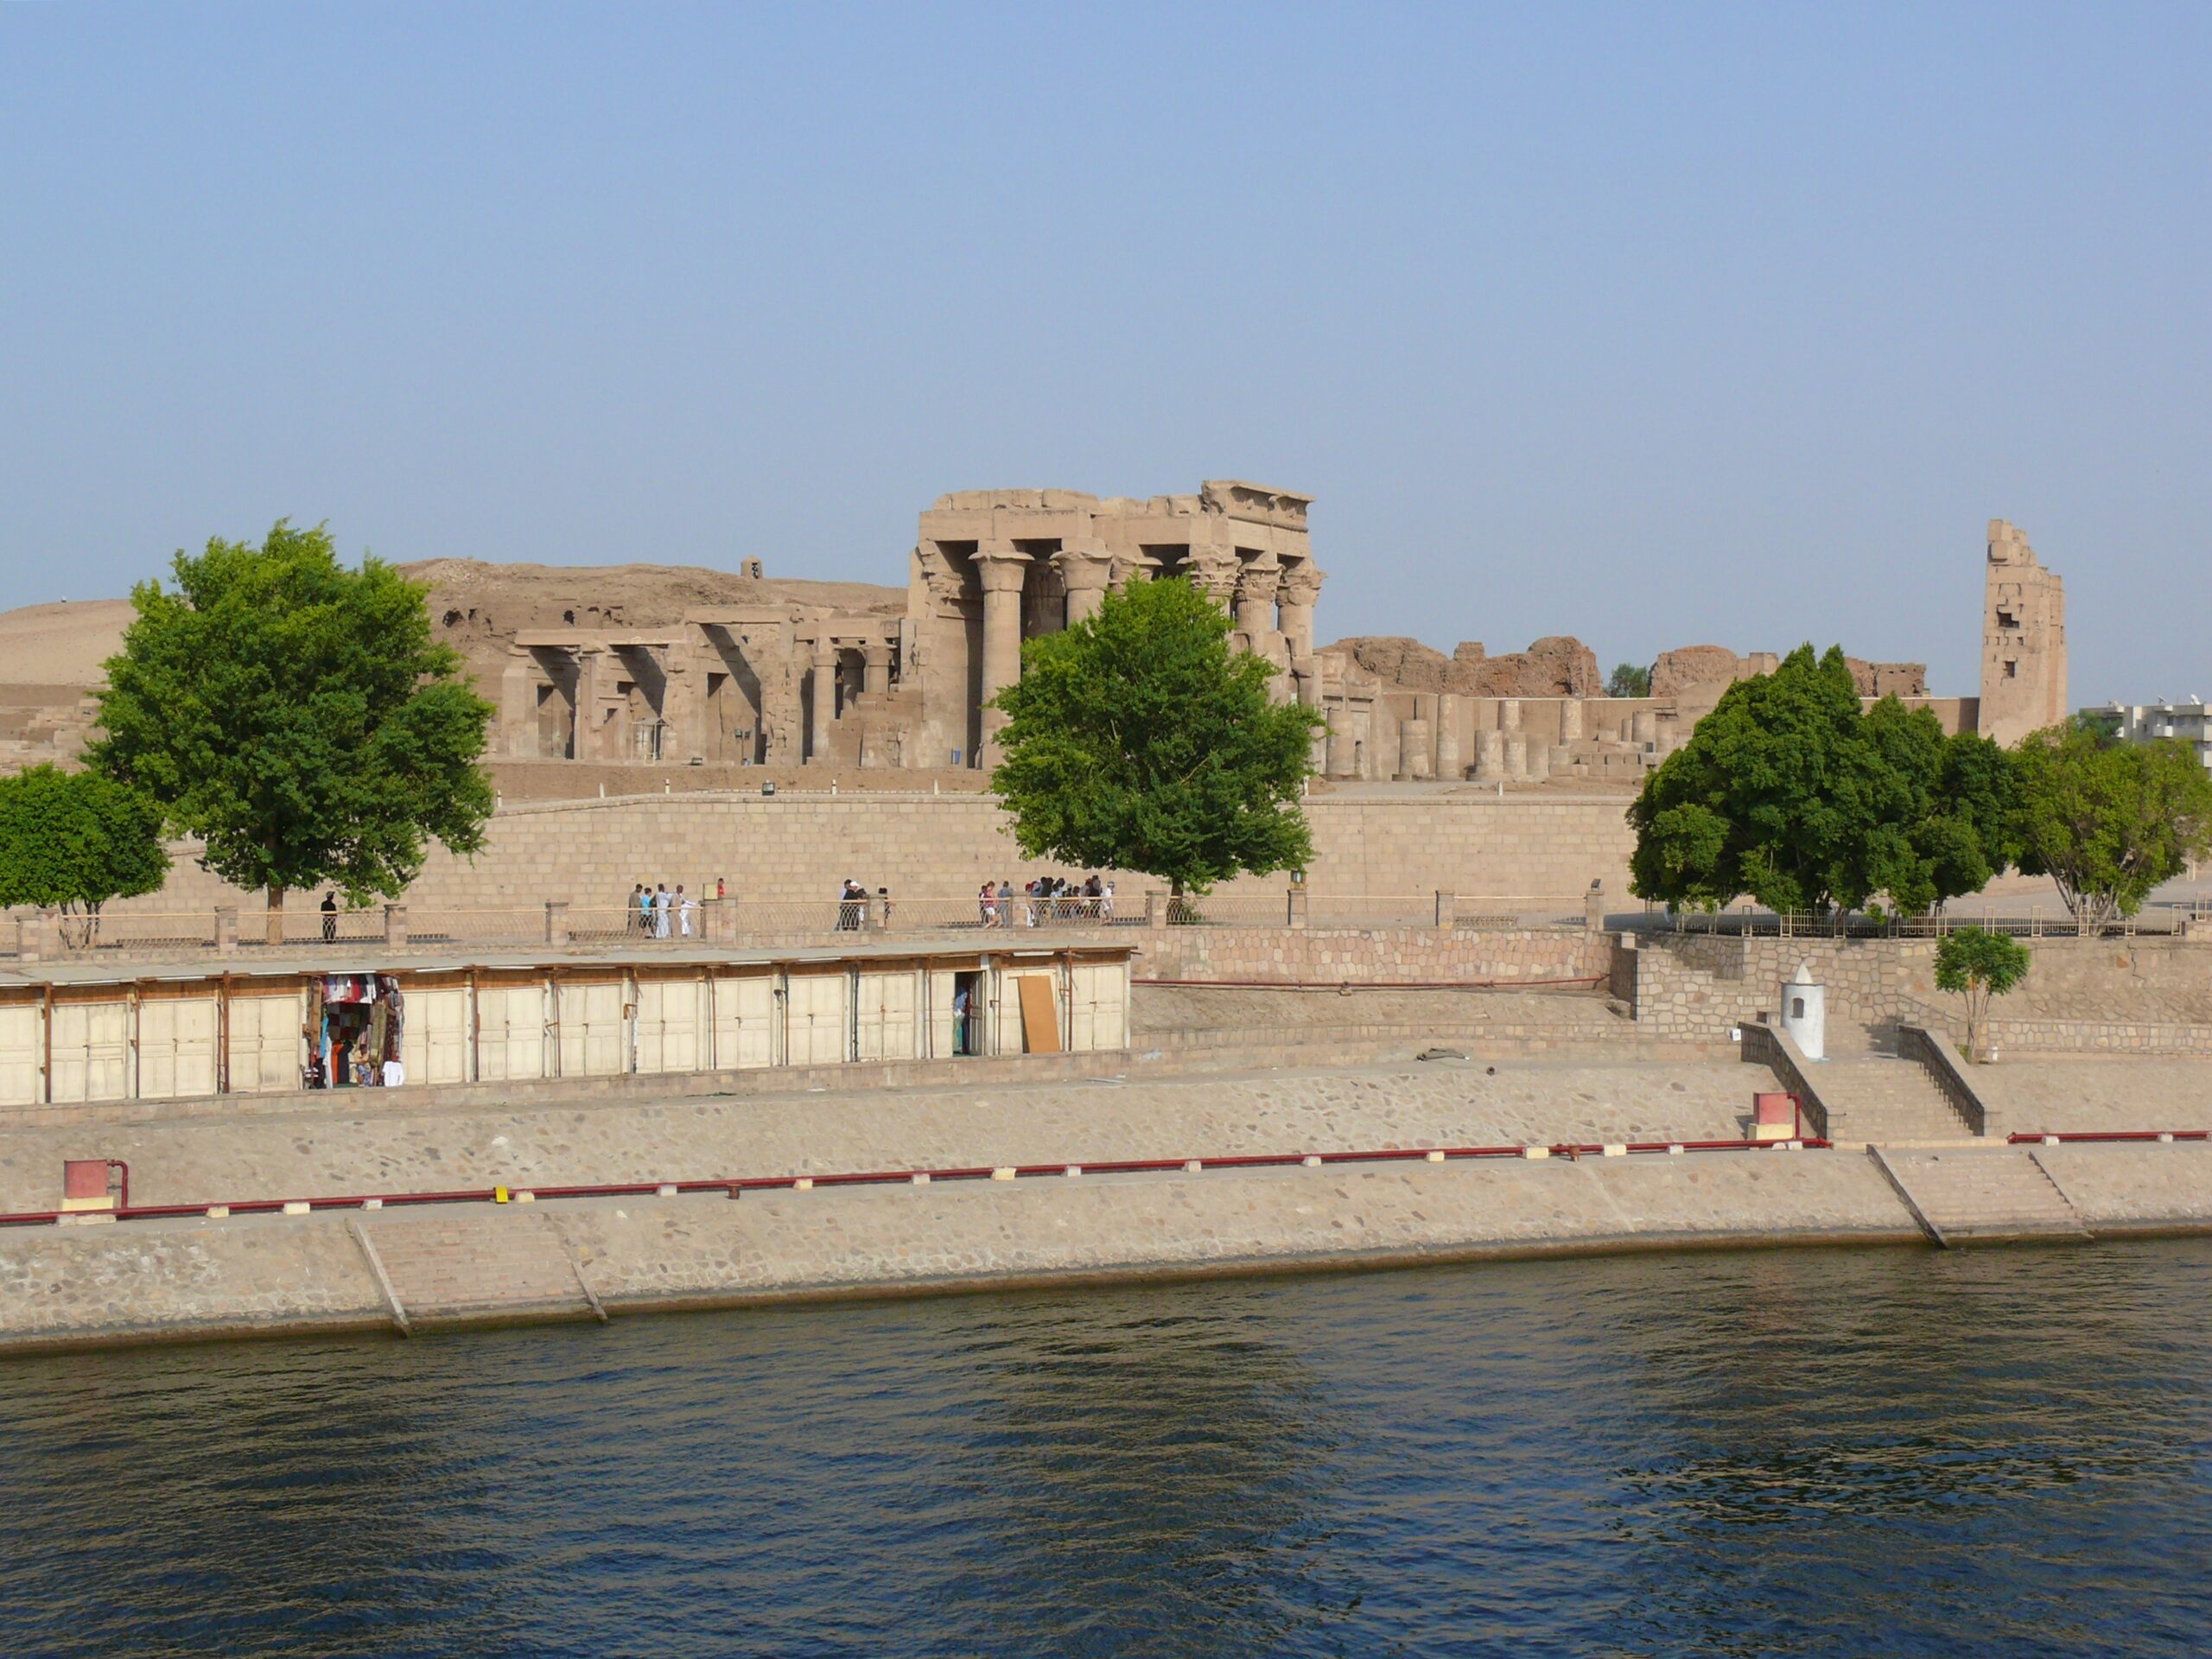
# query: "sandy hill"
[63,644]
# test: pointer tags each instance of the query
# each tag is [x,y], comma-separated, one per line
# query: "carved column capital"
[1001,568]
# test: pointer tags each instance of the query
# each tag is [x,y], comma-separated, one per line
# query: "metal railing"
[2037,921]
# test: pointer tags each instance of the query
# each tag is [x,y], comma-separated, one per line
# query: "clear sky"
[1658,325]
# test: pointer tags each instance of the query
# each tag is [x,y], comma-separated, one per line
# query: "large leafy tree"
[72,841]
[1787,793]
[2108,821]
[297,716]
[1136,739]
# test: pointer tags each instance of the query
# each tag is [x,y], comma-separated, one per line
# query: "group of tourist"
[1048,899]
[656,913]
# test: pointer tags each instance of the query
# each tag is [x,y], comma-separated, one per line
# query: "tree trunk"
[276,934]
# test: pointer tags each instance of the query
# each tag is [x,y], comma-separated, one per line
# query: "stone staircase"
[1881,1098]
[473,1267]
[1980,1195]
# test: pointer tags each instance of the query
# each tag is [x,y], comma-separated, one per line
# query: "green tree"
[1787,793]
[1629,681]
[1978,966]
[74,840]
[1136,741]
[2108,822]
[297,717]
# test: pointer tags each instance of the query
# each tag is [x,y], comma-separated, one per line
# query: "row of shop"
[175,1037]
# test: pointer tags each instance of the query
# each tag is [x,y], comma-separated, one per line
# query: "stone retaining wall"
[1375,955]
[789,847]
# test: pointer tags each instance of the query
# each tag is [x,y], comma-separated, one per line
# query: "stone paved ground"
[210,1160]
[2056,1095]
[1303,1016]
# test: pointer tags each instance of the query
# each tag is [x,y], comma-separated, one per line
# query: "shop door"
[266,1048]
[817,1020]
[434,1036]
[744,1021]
[92,1051]
[592,1038]
[177,1047]
[668,1024]
[22,1052]
[886,1024]
[510,1033]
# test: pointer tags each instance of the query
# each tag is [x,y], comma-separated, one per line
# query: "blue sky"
[1655,325]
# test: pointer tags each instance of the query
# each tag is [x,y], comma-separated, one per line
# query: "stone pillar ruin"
[1448,765]
[1509,714]
[1343,756]
[1643,729]
[1570,721]
[1255,604]
[1490,754]
[1413,750]
[1001,568]
[825,699]
[1517,755]
[875,666]
[1540,759]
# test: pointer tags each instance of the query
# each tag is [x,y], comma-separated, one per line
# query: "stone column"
[1214,572]
[1490,755]
[1540,759]
[1001,568]
[875,670]
[1086,571]
[1509,714]
[1301,588]
[1644,727]
[1570,721]
[825,699]
[1305,677]
[1413,750]
[1256,603]
[1517,755]
[1448,764]
[1342,756]
[518,705]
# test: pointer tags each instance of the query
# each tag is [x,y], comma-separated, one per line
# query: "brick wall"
[941,847]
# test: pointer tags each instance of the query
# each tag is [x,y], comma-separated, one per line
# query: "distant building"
[2188,722]
[2023,640]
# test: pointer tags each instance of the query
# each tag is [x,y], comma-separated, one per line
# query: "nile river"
[1849,1453]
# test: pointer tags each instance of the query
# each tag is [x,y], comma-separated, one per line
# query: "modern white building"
[2191,722]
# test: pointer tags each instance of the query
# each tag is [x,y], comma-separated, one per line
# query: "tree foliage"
[1629,681]
[1137,740]
[2108,822]
[1787,793]
[1978,966]
[297,716]
[74,840]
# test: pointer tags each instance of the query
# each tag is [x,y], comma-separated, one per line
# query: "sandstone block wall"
[1375,955]
[789,847]
[2080,994]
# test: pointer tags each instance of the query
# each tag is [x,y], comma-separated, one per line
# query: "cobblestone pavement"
[204,1160]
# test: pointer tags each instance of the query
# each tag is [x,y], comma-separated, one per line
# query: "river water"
[1898,1451]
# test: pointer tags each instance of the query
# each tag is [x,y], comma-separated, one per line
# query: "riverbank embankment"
[138,1282]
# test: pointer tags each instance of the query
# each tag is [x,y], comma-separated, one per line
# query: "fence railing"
[2037,921]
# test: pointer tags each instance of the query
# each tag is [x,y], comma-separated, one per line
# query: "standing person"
[1106,901]
[329,917]
[685,909]
[987,907]
[641,901]
[1006,902]
[852,899]
[660,911]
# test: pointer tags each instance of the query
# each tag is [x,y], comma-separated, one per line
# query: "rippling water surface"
[2000,1452]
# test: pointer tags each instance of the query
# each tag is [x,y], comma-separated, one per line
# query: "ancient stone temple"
[787,678]
[993,568]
